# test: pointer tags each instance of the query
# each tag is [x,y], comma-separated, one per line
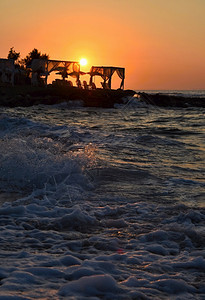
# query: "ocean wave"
[102,204]
[29,162]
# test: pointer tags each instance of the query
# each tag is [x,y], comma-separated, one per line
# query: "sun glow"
[83,62]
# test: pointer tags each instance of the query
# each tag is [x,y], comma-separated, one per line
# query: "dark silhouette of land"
[29,95]
[164,100]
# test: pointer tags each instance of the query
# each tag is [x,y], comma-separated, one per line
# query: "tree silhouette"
[13,54]
[34,54]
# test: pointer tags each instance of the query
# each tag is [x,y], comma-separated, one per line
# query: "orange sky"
[161,43]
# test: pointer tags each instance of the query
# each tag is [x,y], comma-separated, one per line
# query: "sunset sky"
[161,43]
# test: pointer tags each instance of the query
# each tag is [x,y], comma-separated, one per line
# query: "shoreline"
[29,96]
[24,96]
[164,100]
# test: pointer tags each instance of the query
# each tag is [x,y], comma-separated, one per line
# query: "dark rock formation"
[171,100]
[28,96]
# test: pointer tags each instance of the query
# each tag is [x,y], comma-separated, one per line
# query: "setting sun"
[83,62]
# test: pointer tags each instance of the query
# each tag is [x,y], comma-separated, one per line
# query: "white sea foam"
[108,209]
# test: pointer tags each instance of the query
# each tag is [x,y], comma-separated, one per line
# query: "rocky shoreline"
[29,96]
[164,100]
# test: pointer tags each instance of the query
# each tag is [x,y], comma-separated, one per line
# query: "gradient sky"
[161,43]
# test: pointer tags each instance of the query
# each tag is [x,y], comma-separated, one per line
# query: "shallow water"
[111,202]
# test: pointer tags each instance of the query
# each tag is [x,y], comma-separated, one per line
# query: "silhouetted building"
[7,71]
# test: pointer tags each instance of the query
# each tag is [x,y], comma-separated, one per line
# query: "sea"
[102,203]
